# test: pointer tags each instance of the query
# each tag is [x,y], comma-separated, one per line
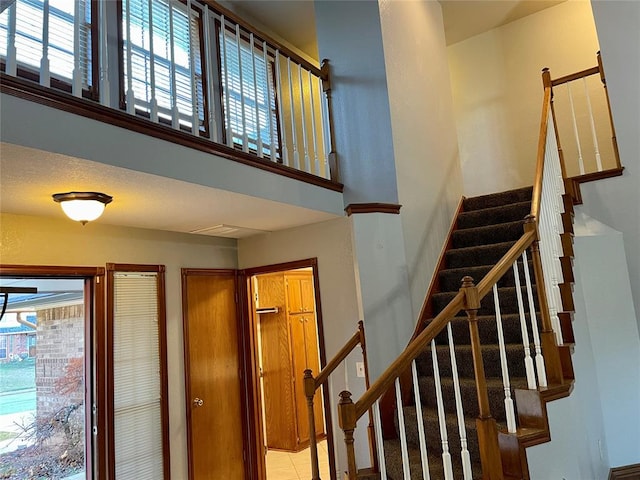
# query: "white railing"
[185,65]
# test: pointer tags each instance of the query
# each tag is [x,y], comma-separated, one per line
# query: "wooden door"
[212,376]
[300,297]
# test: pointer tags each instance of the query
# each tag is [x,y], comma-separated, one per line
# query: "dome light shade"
[82,207]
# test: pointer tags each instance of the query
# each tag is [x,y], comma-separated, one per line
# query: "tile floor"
[296,466]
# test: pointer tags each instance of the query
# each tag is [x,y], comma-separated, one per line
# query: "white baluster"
[528,361]
[296,155]
[575,130]
[325,130]
[45,75]
[540,368]
[272,142]
[420,423]
[105,88]
[78,19]
[462,430]
[193,48]
[442,421]
[593,126]
[506,383]
[316,166]
[211,93]
[403,432]
[255,96]
[245,138]
[307,163]
[175,113]
[377,427]
[152,68]
[228,126]
[130,96]
[11,66]
[283,133]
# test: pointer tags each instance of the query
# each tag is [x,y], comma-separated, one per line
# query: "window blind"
[137,379]
[257,109]
[28,39]
[154,25]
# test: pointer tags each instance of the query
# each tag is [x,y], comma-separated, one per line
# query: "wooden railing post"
[326,87]
[370,428]
[486,424]
[347,419]
[550,351]
[614,140]
[309,392]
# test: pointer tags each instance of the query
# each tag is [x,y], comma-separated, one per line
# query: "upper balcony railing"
[188,65]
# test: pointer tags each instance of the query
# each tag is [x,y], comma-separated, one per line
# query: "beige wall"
[329,242]
[497,90]
[47,241]
[424,134]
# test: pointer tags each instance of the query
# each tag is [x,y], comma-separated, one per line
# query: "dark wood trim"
[35,93]
[251,326]
[354,208]
[629,472]
[287,52]
[162,342]
[96,465]
[575,76]
[592,177]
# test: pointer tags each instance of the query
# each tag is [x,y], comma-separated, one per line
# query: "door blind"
[137,378]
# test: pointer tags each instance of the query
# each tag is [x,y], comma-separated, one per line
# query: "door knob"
[198,402]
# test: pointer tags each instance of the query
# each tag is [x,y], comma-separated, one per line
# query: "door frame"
[96,465]
[251,361]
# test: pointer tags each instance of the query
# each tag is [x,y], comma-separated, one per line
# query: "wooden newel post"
[486,424]
[309,392]
[347,421]
[326,88]
[553,366]
[370,427]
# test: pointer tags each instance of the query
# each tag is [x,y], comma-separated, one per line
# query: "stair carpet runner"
[486,228]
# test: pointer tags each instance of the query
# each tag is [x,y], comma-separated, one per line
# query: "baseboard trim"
[628,472]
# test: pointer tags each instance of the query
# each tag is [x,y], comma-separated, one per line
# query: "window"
[249,98]
[136,329]
[3,346]
[29,26]
[160,71]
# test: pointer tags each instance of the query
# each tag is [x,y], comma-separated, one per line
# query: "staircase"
[486,228]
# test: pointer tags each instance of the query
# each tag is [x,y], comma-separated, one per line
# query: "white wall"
[615,201]
[497,90]
[330,242]
[598,426]
[46,241]
[424,134]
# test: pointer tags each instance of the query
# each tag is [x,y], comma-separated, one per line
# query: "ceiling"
[29,178]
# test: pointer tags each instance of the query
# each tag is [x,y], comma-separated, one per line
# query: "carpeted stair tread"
[488,329]
[507,298]
[464,361]
[498,199]
[394,468]
[488,234]
[489,216]
[468,394]
[478,255]
[451,278]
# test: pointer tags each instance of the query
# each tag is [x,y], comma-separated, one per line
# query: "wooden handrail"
[575,76]
[542,146]
[339,357]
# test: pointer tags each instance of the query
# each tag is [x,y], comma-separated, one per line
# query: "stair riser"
[497,200]
[464,361]
[488,330]
[487,235]
[507,297]
[450,280]
[480,256]
[504,214]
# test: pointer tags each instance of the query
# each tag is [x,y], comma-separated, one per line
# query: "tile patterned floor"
[296,466]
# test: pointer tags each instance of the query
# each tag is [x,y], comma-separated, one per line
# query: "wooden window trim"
[112,268]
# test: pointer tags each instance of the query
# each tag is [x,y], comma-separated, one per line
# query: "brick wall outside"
[60,344]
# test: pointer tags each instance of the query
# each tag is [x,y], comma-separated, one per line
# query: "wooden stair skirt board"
[628,472]
[485,228]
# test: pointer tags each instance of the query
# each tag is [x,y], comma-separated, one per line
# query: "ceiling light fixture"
[82,207]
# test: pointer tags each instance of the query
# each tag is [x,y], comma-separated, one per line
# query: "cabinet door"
[300,297]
